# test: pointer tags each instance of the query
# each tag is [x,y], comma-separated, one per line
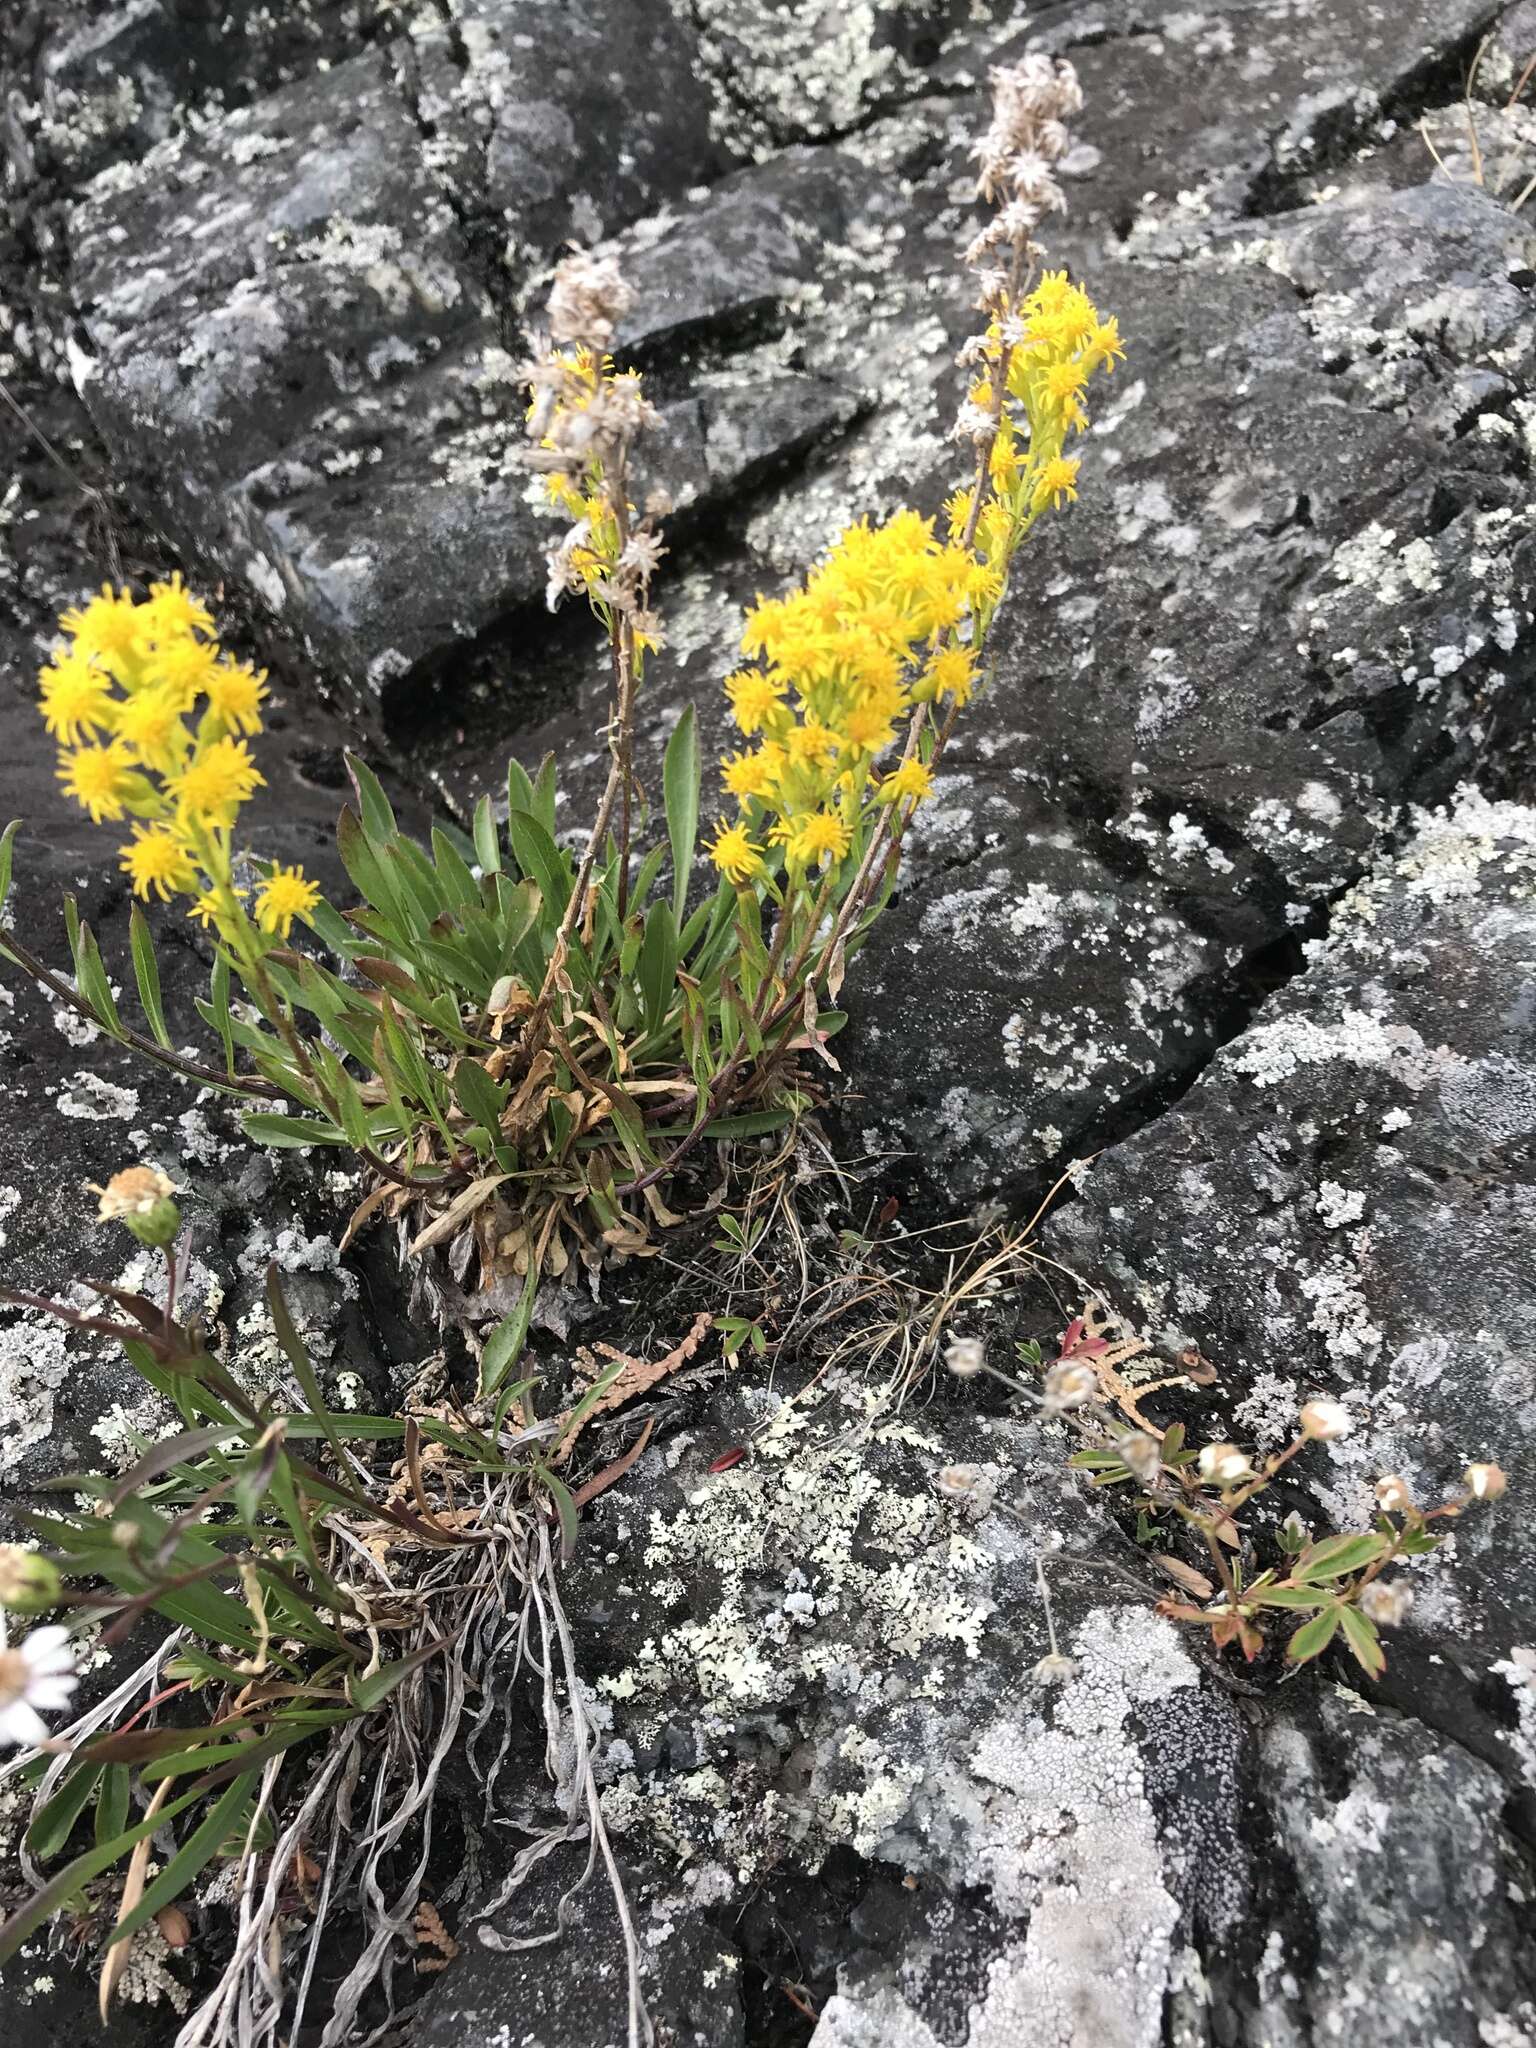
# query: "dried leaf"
[1186,1576]
[462,1205]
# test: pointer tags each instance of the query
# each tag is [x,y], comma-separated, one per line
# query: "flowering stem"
[209,1077]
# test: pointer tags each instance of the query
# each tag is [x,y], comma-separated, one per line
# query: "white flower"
[1393,1494]
[36,1677]
[1486,1481]
[1324,1419]
[1225,1463]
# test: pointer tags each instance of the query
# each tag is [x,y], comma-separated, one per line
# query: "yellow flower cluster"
[837,664]
[153,724]
[895,617]
[1054,342]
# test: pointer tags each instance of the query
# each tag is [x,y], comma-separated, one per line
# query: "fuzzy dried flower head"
[965,1357]
[588,300]
[142,1199]
[1069,1384]
[1054,1669]
[1142,1457]
[1486,1482]
[1323,1420]
[1386,1602]
[1393,1495]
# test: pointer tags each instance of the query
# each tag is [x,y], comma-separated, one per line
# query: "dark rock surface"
[1345,1203]
[262,283]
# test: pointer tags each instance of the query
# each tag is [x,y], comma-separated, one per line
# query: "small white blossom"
[36,1677]
[1324,1420]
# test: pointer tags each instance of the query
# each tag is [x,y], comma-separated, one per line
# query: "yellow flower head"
[183,668]
[754,697]
[157,863]
[813,837]
[76,697]
[734,854]
[106,627]
[1103,348]
[909,779]
[282,897]
[751,774]
[173,610]
[951,673]
[100,779]
[1057,480]
[868,726]
[216,782]
[810,745]
[149,724]
[235,692]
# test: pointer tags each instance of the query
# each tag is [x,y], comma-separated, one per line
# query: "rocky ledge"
[1231,881]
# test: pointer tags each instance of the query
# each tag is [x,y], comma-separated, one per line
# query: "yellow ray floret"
[100,779]
[282,897]
[216,782]
[76,698]
[157,864]
[734,854]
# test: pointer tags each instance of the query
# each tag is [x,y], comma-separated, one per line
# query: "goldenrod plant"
[525,1045]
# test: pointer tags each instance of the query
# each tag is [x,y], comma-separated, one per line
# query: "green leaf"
[1314,1636]
[91,979]
[658,964]
[56,1820]
[504,1346]
[7,844]
[217,1012]
[112,1803]
[487,843]
[200,1847]
[520,792]
[541,861]
[378,816]
[481,1099]
[146,972]
[1364,1643]
[543,805]
[1285,1596]
[1336,1556]
[680,783]
[368,1692]
[565,1507]
[75,1876]
[454,871]
[286,1132]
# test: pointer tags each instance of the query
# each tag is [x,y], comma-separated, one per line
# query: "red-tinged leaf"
[726,1460]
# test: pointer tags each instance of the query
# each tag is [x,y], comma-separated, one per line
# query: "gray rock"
[1344,1204]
